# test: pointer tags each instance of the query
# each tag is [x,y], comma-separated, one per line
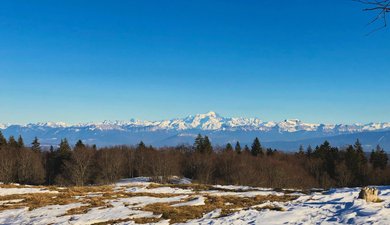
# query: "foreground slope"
[140,201]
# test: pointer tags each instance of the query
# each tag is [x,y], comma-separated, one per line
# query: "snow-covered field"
[138,200]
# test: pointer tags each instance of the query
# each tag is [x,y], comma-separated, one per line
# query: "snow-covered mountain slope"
[3,126]
[182,131]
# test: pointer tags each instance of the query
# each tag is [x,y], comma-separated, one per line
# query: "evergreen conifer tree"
[270,152]
[229,147]
[301,151]
[356,161]
[141,145]
[237,148]
[379,158]
[64,151]
[35,145]
[329,156]
[12,142]
[64,146]
[3,141]
[351,158]
[360,152]
[207,147]
[60,158]
[309,151]
[256,148]
[199,145]
[79,145]
[20,142]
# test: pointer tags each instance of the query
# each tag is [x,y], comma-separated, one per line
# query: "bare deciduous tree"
[79,165]
[110,165]
[7,165]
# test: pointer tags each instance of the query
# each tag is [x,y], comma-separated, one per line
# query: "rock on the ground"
[369,194]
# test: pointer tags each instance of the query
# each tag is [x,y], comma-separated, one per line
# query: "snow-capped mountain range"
[176,131]
[212,121]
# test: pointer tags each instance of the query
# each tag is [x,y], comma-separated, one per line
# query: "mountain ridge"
[213,121]
[284,135]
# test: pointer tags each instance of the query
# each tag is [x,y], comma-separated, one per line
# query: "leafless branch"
[381,8]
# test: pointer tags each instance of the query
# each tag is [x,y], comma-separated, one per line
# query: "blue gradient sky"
[82,61]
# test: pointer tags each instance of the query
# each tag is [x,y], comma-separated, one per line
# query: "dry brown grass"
[288,191]
[270,207]
[228,205]
[141,220]
[194,187]
[144,220]
[49,188]
[100,196]
[199,187]
[13,186]
[87,189]
[177,214]
[113,221]
[91,203]
[123,194]
[63,197]
[102,201]
[37,200]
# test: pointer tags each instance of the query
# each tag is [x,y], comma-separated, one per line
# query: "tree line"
[324,166]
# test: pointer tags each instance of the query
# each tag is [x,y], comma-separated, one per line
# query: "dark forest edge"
[324,166]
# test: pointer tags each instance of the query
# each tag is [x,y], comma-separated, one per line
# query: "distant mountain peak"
[211,114]
[50,124]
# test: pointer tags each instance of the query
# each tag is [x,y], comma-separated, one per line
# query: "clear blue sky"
[82,61]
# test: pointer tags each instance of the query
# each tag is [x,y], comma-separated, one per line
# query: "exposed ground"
[138,201]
